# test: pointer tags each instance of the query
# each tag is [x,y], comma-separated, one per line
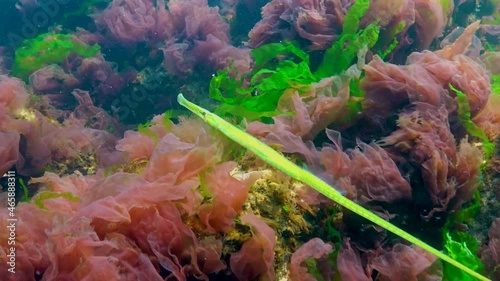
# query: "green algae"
[47,49]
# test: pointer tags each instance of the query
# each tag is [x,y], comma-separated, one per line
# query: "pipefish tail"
[278,161]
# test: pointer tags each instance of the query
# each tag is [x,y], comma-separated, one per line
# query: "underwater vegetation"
[349,140]
[45,50]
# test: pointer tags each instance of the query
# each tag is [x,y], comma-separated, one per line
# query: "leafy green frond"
[46,49]
[462,247]
[25,196]
[469,125]
[393,34]
[145,130]
[268,81]
[341,55]
[354,15]
[495,84]
[40,197]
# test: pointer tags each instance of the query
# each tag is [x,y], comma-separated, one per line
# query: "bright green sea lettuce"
[341,54]
[281,66]
[46,49]
[353,17]
[268,80]
[462,247]
[469,125]
[393,34]
[495,84]
[40,197]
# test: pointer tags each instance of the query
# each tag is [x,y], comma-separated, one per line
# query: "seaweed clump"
[46,49]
